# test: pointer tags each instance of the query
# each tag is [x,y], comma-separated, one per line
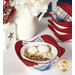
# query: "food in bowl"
[39,53]
[43,49]
[32,50]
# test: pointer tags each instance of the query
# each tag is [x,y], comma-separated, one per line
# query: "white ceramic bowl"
[53,49]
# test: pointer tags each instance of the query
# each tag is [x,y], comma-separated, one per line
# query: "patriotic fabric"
[61,24]
[64,38]
[60,15]
[44,38]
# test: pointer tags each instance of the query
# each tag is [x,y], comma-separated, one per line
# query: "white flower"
[42,0]
[32,1]
[44,8]
[34,11]
[34,6]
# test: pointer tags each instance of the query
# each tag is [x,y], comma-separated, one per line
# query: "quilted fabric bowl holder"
[62,16]
[43,38]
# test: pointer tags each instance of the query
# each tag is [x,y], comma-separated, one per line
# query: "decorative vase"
[26,23]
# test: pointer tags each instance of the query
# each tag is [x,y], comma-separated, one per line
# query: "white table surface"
[13,66]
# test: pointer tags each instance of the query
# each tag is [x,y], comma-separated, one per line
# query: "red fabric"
[64,24]
[18,46]
[47,39]
[67,30]
[66,7]
[61,37]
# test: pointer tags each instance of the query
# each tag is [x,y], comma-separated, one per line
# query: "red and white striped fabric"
[63,12]
[61,37]
[44,38]
[65,30]
[62,22]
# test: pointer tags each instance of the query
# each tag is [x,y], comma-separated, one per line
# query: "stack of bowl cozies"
[61,24]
